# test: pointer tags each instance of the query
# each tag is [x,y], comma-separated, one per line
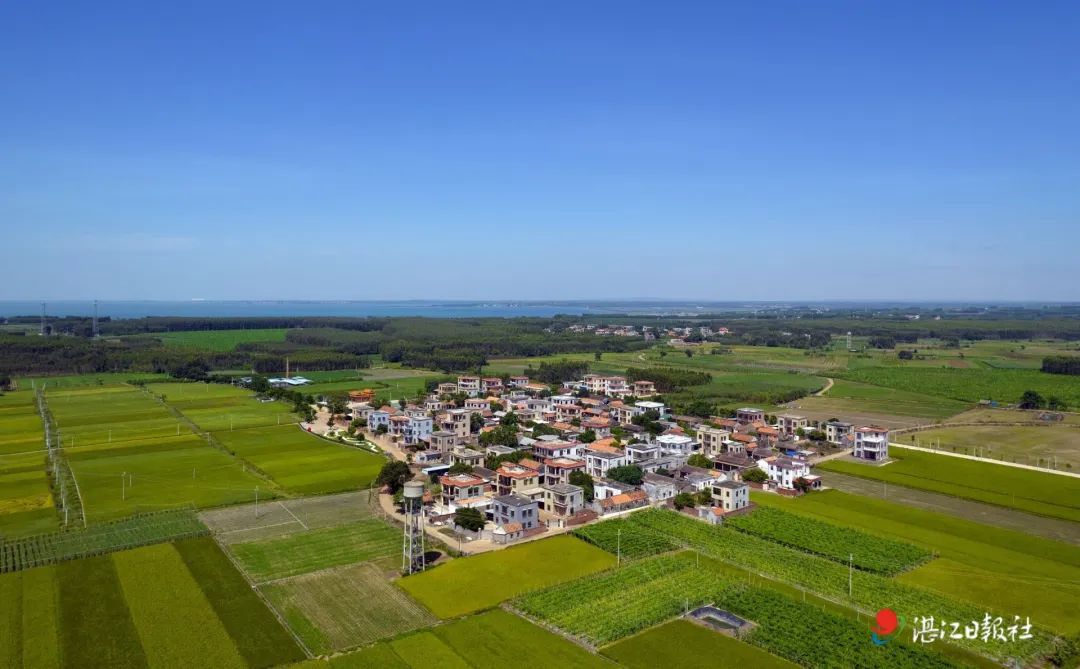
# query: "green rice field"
[1026,490]
[681,644]
[312,550]
[301,462]
[470,584]
[26,504]
[491,640]
[216,407]
[167,605]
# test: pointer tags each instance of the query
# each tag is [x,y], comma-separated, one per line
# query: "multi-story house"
[731,495]
[442,441]
[511,509]
[457,488]
[469,385]
[712,440]
[558,470]
[644,389]
[789,424]
[519,381]
[447,389]
[871,443]
[515,478]
[563,499]
[457,422]
[748,415]
[784,471]
[676,444]
[597,463]
[641,451]
[491,384]
[547,448]
[836,431]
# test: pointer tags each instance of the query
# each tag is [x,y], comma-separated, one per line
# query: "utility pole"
[123,487]
[256,501]
[618,548]
[850,571]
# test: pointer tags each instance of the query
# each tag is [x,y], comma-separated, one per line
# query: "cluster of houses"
[648,332]
[591,427]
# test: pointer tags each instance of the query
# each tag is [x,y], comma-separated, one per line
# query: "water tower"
[412,559]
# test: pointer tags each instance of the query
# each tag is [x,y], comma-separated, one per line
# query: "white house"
[640,452]
[731,495]
[676,444]
[784,471]
[597,463]
[871,443]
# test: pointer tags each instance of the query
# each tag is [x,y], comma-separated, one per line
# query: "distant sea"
[429,308]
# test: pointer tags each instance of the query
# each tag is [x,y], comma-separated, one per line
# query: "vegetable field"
[682,644]
[26,504]
[834,542]
[613,605]
[140,530]
[870,592]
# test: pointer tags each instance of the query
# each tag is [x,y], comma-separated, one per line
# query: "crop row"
[868,592]
[615,604]
[835,542]
[139,530]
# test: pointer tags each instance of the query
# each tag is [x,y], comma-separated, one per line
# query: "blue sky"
[540,150]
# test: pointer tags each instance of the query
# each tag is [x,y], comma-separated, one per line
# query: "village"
[506,459]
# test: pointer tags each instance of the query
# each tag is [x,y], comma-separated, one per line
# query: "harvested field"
[346,607]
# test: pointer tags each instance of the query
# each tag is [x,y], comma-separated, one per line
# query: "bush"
[470,519]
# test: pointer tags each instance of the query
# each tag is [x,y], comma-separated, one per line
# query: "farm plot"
[491,640]
[1002,569]
[345,607]
[681,644]
[131,532]
[870,592]
[470,584]
[140,608]
[304,552]
[1035,492]
[864,403]
[284,517]
[970,385]
[301,462]
[110,414]
[611,606]
[215,407]
[26,505]
[1026,444]
[834,542]
[155,474]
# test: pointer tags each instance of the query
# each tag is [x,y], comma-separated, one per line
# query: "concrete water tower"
[412,559]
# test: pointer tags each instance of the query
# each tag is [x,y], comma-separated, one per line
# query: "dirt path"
[827,388]
[1010,519]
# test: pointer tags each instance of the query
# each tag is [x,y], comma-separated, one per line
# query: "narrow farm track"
[1049,528]
[828,386]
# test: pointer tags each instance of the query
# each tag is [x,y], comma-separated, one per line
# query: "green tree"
[470,519]
[755,475]
[585,482]
[460,468]
[1032,400]
[684,500]
[394,475]
[700,408]
[699,460]
[510,419]
[587,437]
[503,435]
[476,421]
[597,356]
[1055,403]
[628,474]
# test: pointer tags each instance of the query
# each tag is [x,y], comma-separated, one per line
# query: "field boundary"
[991,461]
[211,440]
[59,472]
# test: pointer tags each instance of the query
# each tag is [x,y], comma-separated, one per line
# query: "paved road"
[1050,528]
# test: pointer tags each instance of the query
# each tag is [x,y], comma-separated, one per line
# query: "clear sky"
[540,150]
